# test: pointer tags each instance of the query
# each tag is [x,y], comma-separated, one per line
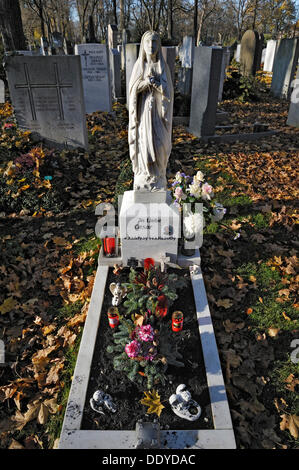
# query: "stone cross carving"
[163,260]
[150,115]
[85,55]
[30,86]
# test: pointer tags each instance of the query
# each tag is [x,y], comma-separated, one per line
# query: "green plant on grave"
[152,290]
[143,352]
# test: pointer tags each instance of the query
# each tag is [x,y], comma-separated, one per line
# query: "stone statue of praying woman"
[150,115]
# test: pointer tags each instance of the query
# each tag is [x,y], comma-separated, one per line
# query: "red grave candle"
[109,245]
[113,317]
[177,321]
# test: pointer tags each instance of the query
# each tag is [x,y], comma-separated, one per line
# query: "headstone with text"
[96,76]
[284,67]
[47,97]
[149,226]
[205,89]
[269,55]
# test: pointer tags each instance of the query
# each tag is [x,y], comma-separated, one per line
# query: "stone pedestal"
[149,228]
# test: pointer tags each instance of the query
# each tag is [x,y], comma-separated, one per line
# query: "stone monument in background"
[251,50]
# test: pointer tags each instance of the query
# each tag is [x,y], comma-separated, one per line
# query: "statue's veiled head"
[150,44]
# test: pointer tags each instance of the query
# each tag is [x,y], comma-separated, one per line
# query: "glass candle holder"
[113,317]
[109,246]
[177,321]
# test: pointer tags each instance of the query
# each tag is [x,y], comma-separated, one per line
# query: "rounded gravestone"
[250,52]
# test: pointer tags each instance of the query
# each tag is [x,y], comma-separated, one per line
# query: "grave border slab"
[221,437]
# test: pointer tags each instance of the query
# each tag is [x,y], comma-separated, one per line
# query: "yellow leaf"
[59,241]
[225,303]
[286,317]
[152,400]
[7,305]
[252,278]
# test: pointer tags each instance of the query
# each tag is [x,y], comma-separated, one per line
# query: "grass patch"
[267,311]
[279,377]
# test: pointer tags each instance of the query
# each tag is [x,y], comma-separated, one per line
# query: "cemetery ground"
[49,258]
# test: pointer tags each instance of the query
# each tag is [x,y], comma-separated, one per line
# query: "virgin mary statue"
[150,115]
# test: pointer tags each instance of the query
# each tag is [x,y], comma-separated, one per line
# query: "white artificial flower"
[199,177]
[195,189]
[178,177]
[192,224]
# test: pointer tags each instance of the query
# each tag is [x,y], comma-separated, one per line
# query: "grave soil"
[126,394]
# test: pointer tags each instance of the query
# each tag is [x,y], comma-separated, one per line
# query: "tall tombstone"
[237,53]
[250,52]
[132,51]
[115,73]
[169,54]
[57,42]
[185,73]
[44,46]
[112,34]
[224,65]
[269,56]
[284,67]
[2,92]
[47,96]
[293,117]
[91,37]
[96,76]
[205,87]
[67,47]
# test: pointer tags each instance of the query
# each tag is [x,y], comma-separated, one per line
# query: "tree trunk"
[121,15]
[195,21]
[169,20]
[11,26]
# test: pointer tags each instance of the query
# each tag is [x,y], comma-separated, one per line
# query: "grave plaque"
[285,63]
[96,76]
[205,89]
[293,117]
[269,56]
[47,97]
[2,92]
[148,229]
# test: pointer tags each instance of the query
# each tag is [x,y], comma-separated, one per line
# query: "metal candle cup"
[113,317]
[177,321]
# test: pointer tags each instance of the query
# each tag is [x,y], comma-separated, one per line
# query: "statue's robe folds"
[150,124]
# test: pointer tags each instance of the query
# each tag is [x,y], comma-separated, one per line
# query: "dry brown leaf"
[225,303]
[291,423]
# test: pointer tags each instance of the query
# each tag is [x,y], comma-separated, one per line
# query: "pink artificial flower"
[8,125]
[132,349]
[207,191]
[179,193]
[146,333]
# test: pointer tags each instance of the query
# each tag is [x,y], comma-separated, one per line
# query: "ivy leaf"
[152,400]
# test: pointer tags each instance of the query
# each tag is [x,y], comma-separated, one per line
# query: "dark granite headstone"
[205,88]
[284,67]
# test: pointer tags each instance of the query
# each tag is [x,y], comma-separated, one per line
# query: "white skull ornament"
[118,293]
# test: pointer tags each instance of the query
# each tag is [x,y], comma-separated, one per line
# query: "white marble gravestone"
[187,52]
[112,33]
[150,228]
[237,54]
[2,92]
[96,76]
[269,56]
[47,97]
[131,54]
[169,54]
